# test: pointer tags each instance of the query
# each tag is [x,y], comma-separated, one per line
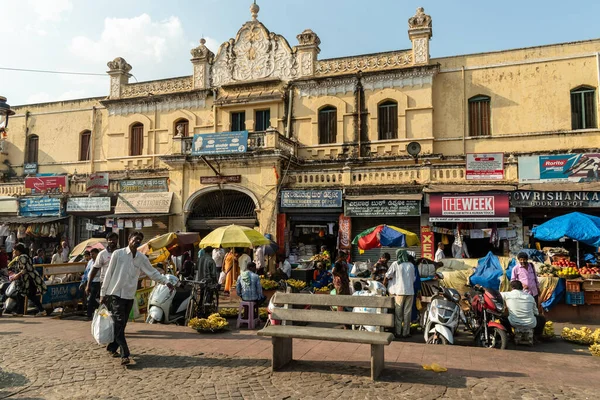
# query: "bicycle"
[204,299]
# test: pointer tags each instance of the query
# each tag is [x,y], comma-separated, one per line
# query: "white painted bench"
[282,335]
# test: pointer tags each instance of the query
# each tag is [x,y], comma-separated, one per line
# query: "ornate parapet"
[420,32]
[163,103]
[118,69]
[307,51]
[202,57]
[165,86]
[366,63]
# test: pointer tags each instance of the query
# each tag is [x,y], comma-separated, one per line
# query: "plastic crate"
[592,297]
[573,286]
[574,298]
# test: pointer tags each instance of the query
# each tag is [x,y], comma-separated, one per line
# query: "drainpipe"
[464,114]
[598,70]
[288,129]
[92,136]
[214,91]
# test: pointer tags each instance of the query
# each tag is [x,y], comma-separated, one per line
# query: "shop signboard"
[311,199]
[143,185]
[97,183]
[485,166]
[427,243]
[213,180]
[345,232]
[220,143]
[39,207]
[555,199]
[30,168]
[47,184]
[469,207]
[144,203]
[560,168]
[382,208]
[88,204]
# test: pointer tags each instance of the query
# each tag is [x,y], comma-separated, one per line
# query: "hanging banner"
[345,232]
[469,207]
[485,166]
[427,243]
[220,143]
[97,183]
[47,184]
[560,168]
[281,219]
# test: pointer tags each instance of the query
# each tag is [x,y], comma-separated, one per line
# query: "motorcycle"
[442,316]
[486,306]
[168,306]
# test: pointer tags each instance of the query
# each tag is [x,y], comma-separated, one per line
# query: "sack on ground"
[103,326]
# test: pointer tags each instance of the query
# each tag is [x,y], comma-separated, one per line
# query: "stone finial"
[202,53]
[419,20]
[119,65]
[254,9]
[308,38]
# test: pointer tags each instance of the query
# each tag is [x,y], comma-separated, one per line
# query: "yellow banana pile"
[228,312]
[213,323]
[548,329]
[595,349]
[296,284]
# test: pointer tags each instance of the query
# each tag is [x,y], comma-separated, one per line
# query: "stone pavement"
[46,358]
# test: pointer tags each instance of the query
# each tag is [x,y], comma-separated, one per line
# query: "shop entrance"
[216,208]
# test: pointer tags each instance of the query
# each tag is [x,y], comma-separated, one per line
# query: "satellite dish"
[413,148]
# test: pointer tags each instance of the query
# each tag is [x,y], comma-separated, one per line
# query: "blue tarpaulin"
[578,226]
[488,272]
[557,295]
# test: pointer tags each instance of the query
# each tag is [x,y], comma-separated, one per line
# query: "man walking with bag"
[119,286]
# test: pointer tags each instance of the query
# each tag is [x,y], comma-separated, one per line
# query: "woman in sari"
[231,268]
[30,282]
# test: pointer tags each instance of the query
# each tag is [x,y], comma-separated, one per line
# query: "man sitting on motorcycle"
[522,310]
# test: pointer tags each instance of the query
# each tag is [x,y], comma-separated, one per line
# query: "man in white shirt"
[243,258]
[119,286]
[101,263]
[522,310]
[259,259]
[218,256]
[65,251]
[439,254]
[401,278]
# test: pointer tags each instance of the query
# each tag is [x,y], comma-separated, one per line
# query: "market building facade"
[314,151]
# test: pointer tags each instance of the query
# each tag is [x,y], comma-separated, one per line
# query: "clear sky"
[155,36]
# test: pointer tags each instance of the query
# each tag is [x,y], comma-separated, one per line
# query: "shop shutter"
[412,224]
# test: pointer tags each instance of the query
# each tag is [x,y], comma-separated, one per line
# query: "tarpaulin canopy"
[176,243]
[577,226]
[385,236]
[489,272]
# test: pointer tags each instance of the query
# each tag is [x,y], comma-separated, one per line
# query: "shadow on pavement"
[11,384]
[195,360]
[12,320]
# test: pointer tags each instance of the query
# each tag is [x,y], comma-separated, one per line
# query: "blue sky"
[155,36]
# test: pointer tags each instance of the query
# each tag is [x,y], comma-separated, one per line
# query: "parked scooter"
[482,318]
[373,288]
[442,316]
[168,306]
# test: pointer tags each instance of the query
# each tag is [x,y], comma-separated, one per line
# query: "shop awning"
[29,220]
[468,188]
[561,187]
[141,215]
[405,196]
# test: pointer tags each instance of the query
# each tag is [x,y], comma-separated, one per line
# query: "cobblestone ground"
[32,368]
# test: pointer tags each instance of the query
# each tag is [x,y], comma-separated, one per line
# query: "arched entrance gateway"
[213,207]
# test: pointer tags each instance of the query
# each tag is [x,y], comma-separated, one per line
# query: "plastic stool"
[524,336]
[252,318]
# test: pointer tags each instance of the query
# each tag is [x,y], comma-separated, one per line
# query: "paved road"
[45,358]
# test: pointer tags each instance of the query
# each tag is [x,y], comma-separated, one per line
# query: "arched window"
[136,140]
[387,120]
[32,148]
[182,127]
[84,145]
[583,108]
[328,125]
[479,116]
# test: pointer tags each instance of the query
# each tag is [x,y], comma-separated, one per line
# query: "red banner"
[427,243]
[281,219]
[345,232]
[47,184]
[469,207]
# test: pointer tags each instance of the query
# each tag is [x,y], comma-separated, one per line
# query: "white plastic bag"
[103,326]
[222,277]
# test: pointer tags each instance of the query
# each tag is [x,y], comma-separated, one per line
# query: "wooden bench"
[282,335]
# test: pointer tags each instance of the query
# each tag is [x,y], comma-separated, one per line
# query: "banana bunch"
[263,313]
[324,289]
[595,349]
[548,329]
[268,284]
[296,284]
[228,312]
[584,335]
[213,323]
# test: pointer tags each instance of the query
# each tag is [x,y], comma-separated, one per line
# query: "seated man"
[248,285]
[381,268]
[522,310]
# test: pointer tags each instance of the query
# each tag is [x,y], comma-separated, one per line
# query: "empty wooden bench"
[282,335]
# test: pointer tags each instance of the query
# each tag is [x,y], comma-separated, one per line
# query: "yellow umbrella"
[98,243]
[234,236]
